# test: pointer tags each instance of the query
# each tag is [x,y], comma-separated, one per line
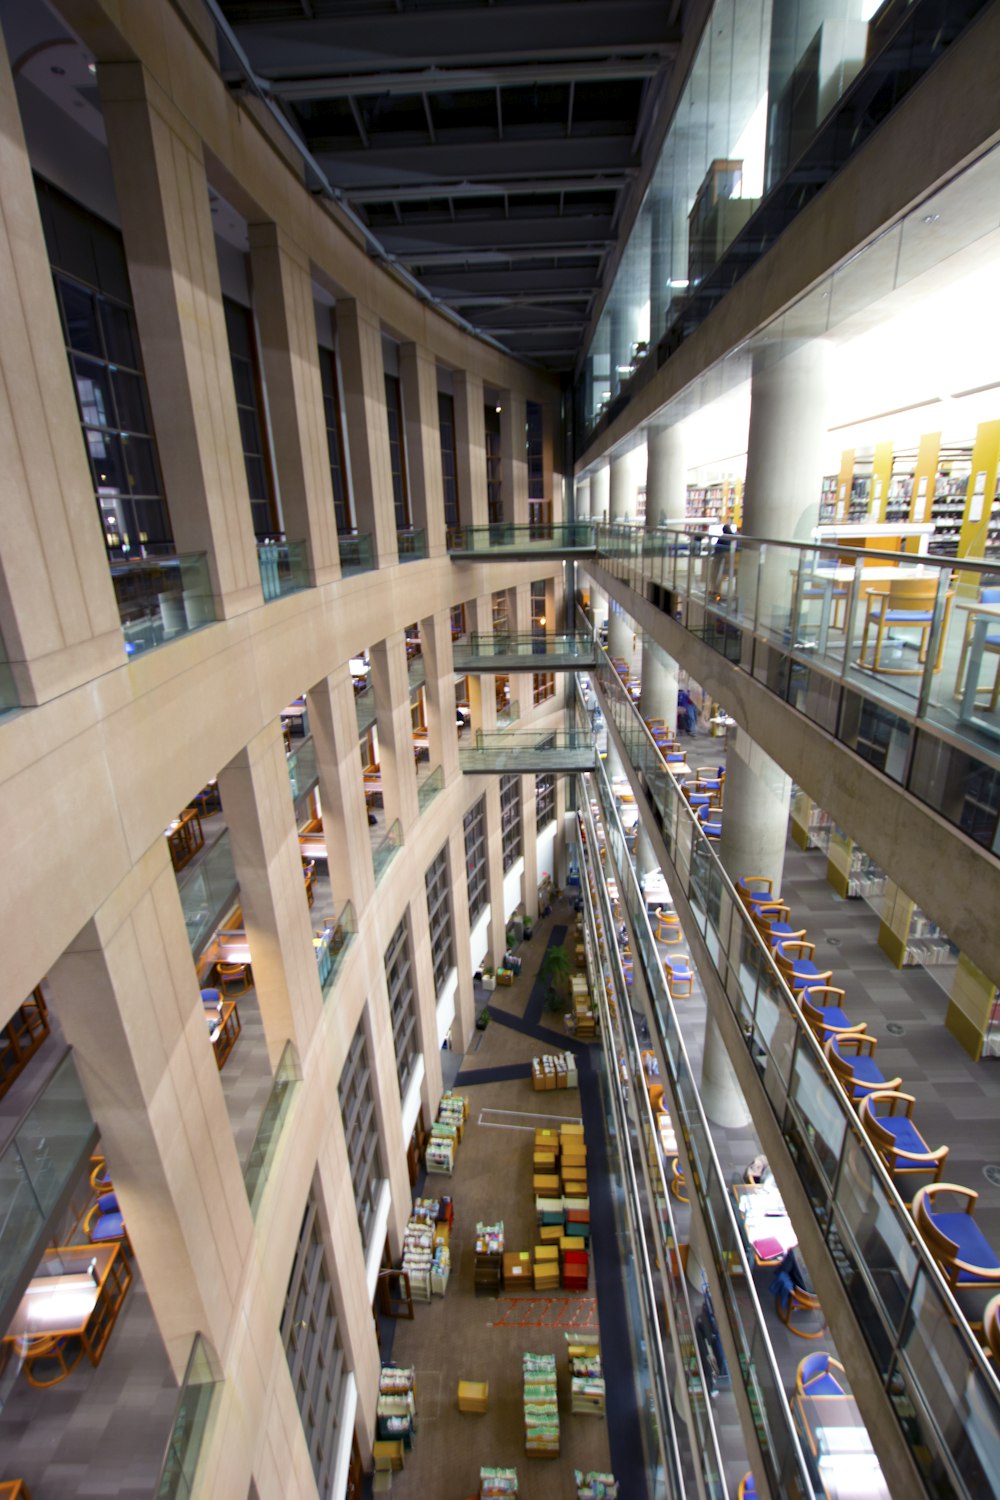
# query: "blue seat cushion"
[823,1385]
[973,1246]
[108,1203]
[834,1017]
[804,969]
[713,828]
[908,616]
[866,1070]
[699,799]
[107,1227]
[210,997]
[905,1134]
[780,930]
[679,970]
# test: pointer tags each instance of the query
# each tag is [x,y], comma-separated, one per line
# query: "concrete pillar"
[482,685]
[529,843]
[623,642]
[162,193]
[418,379]
[514,457]
[334,724]
[645,855]
[286,316]
[425,998]
[497,936]
[666,475]
[720,1088]
[582,499]
[658,699]
[359,343]
[257,799]
[624,483]
[126,994]
[465,1001]
[522,684]
[755,821]
[58,615]
[395,731]
[600,493]
[439,692]
[470,447]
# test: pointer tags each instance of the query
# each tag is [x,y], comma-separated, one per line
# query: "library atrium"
[498,593]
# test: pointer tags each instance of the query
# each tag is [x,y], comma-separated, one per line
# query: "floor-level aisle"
[465,1337]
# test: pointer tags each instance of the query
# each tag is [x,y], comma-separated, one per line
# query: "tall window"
[249,408]
[475,857]
[402,1003]
[510,818]
[539,509]
[335,440]
[449,470]
[544,686]
[494,466]
[545,800]
[439,919]
[357,1108]
[102,344]
[397,452]
[311,1336]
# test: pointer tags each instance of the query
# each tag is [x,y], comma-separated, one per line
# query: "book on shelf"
[595,1485]
[497,1484]
[541,1405]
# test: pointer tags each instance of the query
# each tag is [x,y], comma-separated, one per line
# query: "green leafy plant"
[557,969]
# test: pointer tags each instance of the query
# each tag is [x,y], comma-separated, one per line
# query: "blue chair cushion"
[973,1246]
[679,970]
[780,930]
[715,829]
[823,1385]
[905,1134]
[699,799]
[108,1203]
[908,616]
[834,1017]
[210,997]
[803,970]
[866,1070]
[107,1227]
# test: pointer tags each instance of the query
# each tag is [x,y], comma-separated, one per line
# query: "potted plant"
[489,979]
[557,969]
[529,928]
[483,1018]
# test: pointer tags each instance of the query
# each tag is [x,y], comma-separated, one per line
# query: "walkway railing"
[283,568]
[194,1408]
[161,599]
[412,544]
[691,1447]
[208,891]
[935,1374]
[357,553]
[428,788]
[502,652]
[807,620]
[528,750]
[505,538]
[302,769]
[385,852]
[265,1143]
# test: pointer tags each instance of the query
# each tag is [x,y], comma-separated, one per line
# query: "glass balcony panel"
[527,750]
[536,536]
[283,568]
[194,1407]
[384,853]
[161,599]
[818,1111]
[357,554]
[208,891]
[509,651]
[340,928]
[412,544]
[262,1152]
[428,789]
[875,1233]
[302,770]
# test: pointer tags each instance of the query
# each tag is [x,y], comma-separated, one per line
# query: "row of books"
[554,1071]
[396,1408]
[595,1485]
[446,1133]
[587,1390]
[497,1484]
[541,1406]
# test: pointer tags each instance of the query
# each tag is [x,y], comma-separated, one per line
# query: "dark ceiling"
[491,146]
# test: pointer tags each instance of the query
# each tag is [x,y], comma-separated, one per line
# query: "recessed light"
[499,408]
[91,67]
[931,218]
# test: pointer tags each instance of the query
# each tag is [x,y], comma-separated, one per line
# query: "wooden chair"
[679,976]
[794,958]
[233,979]
[678,1182]
[991,1327]
[887,1120]
[61,1354]
[820,1374]
[748,1487]
[100,1177]
[826,1020]
[712,826]
[668,928]
[852,1058]
[907,605]
[800,1301]
[991,643]
[964,1254]
[771,921]
[754,889]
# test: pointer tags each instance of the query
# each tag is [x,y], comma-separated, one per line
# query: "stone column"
[482,685]
[126,994]
[495,871]
[439,692]
[600,493]
[666,475]
[522,684]
[624,484]
[622,641]
[58,614]
[260,814]
[582,499]
[334,724]
[645,855]
[286,316]
[465,1000]
[162,192]
[359,343]
[395,731]
[658,699]
[422,421]
[470,447]
[529,843]
[425,997]
[514,457]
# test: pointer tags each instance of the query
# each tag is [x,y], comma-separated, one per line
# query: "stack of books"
[497,1484]
[595,1485]
[541,1406]
[586,1379]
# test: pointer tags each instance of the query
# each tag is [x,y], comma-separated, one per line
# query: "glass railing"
[529,750]
[161,598]
[385,852]
[302,771]
[364,708]
[357,554]
[411,544]
[509,714]
[945,1395]
[897,653]
[648,1230]
[283,568]
[46,1153]
[208,891]
[194,1408]
[429,786]
[8,688]
[535,536]
[779,1443]
[416,671]
[265,1142]
[501,651]
[337,933]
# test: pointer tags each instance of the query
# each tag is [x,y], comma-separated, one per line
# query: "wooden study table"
[185,837]
[762,1217]
[313,846]
[224,1032]
[840,1448]
[64,1301]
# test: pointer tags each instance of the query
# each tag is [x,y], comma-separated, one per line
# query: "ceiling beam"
[462,255]
[519,299]
[457,284]
[411,240]
[402,192]
[459,37]
[448,80]
[354,169]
